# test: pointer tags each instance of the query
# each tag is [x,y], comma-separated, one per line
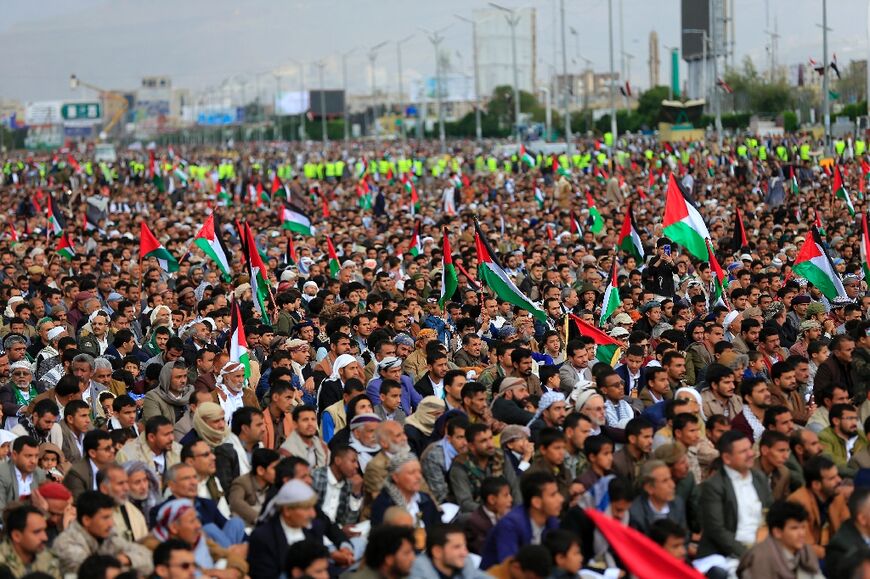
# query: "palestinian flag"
[56,221]
[65,247]
[720,280]
[277,187]
[526,158]
[224,197]
[865,168]
[150,247]
[290,253]
[642,557]
[793,181]
[295,219]
[449,281]
[539,197]
[259,276]
[818,225]
[739,239]
[600,175]
[364,192]
[560,170]
[682,222]
[334,266]
[210,242]
[412,192]
[840,190]
[607,349]
[575,225]
[629,239]
[814,264]
[611,297]
[492,274]
[865,247]
[13,236]
[595,221]
[415,246]
[237,345]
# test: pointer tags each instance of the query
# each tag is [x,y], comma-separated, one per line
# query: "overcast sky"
[200,43]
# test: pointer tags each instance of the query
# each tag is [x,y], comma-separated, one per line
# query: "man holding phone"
[659,274]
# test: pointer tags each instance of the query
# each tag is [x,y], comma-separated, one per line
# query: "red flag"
[739,239]
[325,205]
[276,184]
[641,556]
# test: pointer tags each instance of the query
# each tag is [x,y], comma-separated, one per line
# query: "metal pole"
[513,21]
[716,104]
[344,87]
[302,133]
[825,86]
[565,84]
[401,87]
[478,129]
[704,65]
[279,135]
[323,132]
[612,88]
[372,57]
[549,112]
[436,40]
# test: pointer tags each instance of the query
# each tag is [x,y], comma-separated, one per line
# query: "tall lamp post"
[565,113]
[613,127]
[344,86]
[399,44]
[323,133]
[373,55]
[513,19]
[478,128]
[436,38]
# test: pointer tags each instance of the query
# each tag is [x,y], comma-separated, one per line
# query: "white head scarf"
[340,363]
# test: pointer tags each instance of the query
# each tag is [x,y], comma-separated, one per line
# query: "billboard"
[43,113]
[333,101]
[220,116]
[292,103]
[456,88]
[695,14]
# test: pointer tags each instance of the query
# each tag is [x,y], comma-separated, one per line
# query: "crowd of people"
[328,405]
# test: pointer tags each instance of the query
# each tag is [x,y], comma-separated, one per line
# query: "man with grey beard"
[391,437]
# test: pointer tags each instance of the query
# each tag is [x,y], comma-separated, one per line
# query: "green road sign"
[81,111]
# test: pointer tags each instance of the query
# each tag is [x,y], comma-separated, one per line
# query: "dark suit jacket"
[424,386]
[431,516]
[477,527]
[79,478]
[226,465]
[641,515]
[623,373]
[845,543]
[511,533]
[740,423]
[509,412]
[267,547]
[719,508]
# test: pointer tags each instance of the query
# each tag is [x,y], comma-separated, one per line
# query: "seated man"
[248,492]
[183,483]
[93,532]
[24,550]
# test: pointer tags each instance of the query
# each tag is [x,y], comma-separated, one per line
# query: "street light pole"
[565,113]
[478,127]
[323,133]
[373,54]
[826,111]
[436,38]
[402,86]
[513,19]
[612,88]
[344,86]
[279,134]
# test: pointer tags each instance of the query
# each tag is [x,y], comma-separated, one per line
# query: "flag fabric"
[259,276]
[720,280]
[526,158]
[56,220]
[539,197]
[629,238]
[412,192]
[150,247]
[840,191]
[65,247]
[682,222]
[738,239]
[595,221]
[865,168]
[814,264]
[211,243]
[558,169]
[793,181]
[724,85]
[364,192]
[575,225]
[290,257]
[611,297]
[223,195]
[818,225]
[449,280]
[607,349]
[295,219]
[642,557]
[865,247]
[493,275]
[237,345]
[13,236]
[334,266]
[415,245]
[276,184]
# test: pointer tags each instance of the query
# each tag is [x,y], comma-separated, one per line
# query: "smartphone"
[667,249]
